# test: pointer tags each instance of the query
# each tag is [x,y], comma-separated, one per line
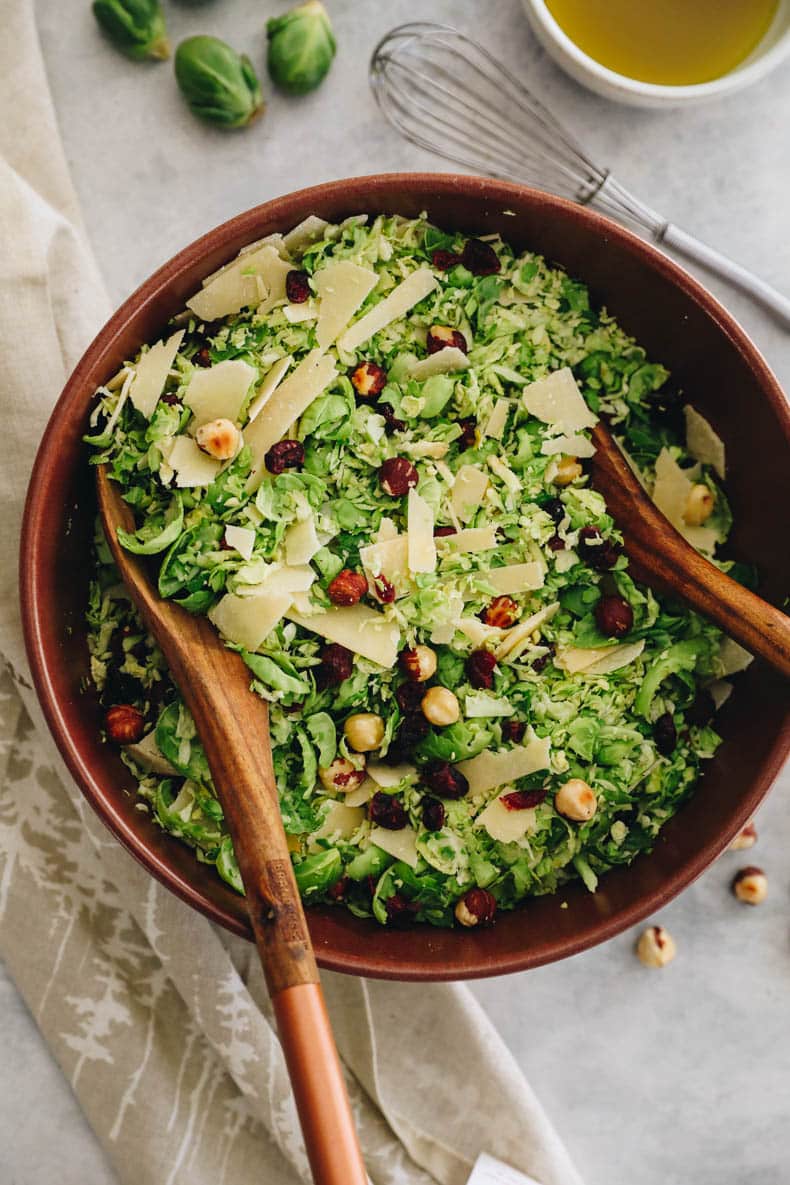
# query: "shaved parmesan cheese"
[472,539]
[342,287]
[340,821]
[720,691]
[294,395]
[389,775]
[242,539]
[480,703]
[400,844]
[469,487]
[151,374]
[703,443]
[387,530]
[446,361]
[271,382]
[670,494]
[301,542]
[389,559]
[240,284]
[477,632]
[564,560]
[247,621]
[516,578]
[421,547]
[504,825]
[568,446]
[296,314]
[148,755]
[362,794]
[273,270]
[309,231]
[495,426]
[518,636]
[358,628]
[434,449]
[505,474]
[556,399]
[599,660]
[288,579]
[491,769]
[191,466]
[732,657]
[218,392]
[407,294]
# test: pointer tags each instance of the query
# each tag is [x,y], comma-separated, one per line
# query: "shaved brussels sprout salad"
[363,450]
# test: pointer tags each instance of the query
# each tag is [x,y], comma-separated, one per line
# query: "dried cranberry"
[665,734]
[409,697]
[387,811]
[125,725]
[540,663]
[513,730]
[480,258]
[443,532]
[614,616]
[555,509]
[413,729]
[337,891]
[286,454]
[391,421]
[701,711]
[596,551]
[444,779]
[441,336]
[369,379]
[297,286]
[501,613]
[384,590]
[397,476]
[202,357]
[433,814]
[520,800]
[443,260]
[347,588]
[400,911]
[480,669]
[468,437]
[336,665]
[556,544]
[171,398]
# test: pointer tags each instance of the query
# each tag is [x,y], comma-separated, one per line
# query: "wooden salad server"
[233,725]
[664,556]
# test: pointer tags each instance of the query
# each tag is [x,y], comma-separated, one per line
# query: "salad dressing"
[668,42]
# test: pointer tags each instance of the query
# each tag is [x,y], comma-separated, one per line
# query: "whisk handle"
[771,299]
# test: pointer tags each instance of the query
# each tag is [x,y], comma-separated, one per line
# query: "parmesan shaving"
[301,541]
[421,547]
[472,539]
[517,578]
[218,392]
[447,361]
[703,443]
[342,287]
[191,466]
[599,660]
[556,399]
[151,374]
[518,637]
[495,427]
[304,234]
[402,845]
[358,628]
[242,539]
[670,494]
[568,446]
[469,488]
[389,775]
[408,293]
[247,621]
[271,382]
[504,825]
[491,769]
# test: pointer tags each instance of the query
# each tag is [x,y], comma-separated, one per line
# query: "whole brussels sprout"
[301,47]
[136,27]
[219,85]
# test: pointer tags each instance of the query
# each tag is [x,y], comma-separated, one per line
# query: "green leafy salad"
[363,450]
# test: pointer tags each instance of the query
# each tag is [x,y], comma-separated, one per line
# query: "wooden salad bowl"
[681,325]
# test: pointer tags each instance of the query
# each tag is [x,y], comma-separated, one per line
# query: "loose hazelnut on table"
[477,907]
[364,731]
[218,438]
[699,505]
[568,469]
[347,588]
[125,725]
[576,800]
[746,838]
[418,663]
[656,947]
[341,777]
[750,885]
[440,707]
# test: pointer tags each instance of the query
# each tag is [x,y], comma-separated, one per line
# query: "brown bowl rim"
[479,963]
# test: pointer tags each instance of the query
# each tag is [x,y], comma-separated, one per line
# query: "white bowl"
[773,49]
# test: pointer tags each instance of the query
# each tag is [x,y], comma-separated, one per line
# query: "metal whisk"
[444,92]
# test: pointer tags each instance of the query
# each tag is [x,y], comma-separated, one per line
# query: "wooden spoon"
[233,725]
[666,559]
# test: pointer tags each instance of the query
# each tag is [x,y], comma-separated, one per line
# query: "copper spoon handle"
[233,726]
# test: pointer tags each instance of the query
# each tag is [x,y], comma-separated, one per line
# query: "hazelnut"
[441,336]
[341,777]
[285,454]
[440,706]
[364,731]
[418,663]
[699,505]
[477,907]
[369,379]
[125,725]
[568,469]
[746,838]
[397,476]
[656,947]
[501,613]
[347,588]
[576,800]
[218,438]
[750,885]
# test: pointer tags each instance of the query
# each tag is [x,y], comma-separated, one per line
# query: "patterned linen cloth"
[159,1020]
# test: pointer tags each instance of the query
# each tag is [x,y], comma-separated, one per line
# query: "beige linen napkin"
[159,1020]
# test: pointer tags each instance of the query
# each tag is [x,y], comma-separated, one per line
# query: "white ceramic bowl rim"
[756,66]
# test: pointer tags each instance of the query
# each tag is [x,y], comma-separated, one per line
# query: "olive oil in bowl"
[666,42]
